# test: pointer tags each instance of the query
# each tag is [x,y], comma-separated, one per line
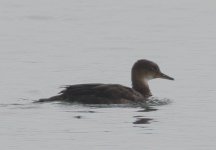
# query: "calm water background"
[45,44]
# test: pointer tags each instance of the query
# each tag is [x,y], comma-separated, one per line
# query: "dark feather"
[97,94]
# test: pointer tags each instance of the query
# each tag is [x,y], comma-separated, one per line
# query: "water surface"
[47,44]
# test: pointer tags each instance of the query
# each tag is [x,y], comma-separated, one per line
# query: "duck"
[98,93]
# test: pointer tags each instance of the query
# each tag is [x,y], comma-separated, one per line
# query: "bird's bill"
[164,76]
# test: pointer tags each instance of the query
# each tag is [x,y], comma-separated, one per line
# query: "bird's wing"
[79,89]
[119,92]
[113,91]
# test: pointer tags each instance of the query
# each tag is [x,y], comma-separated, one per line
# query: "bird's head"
[147,70]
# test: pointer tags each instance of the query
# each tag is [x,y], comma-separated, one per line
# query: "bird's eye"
[152,69]
[155,69]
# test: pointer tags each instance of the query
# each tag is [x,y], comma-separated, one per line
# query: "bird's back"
[98,94]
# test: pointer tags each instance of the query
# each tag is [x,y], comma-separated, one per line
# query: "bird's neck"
[141,86]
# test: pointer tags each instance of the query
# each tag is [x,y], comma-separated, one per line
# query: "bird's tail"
[51,99]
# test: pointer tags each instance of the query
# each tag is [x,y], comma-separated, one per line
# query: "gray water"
[46,44]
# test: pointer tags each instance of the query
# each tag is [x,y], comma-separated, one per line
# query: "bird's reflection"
[147,109]
[143,121]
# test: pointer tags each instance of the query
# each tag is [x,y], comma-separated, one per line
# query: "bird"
[98,93]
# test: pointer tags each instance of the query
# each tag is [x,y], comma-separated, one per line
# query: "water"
[47,44]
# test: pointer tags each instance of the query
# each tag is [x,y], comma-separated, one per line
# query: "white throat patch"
[148,78]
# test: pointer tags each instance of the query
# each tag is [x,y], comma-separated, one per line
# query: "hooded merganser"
[142,71]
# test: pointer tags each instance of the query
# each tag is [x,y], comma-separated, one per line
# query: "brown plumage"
[142,71]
